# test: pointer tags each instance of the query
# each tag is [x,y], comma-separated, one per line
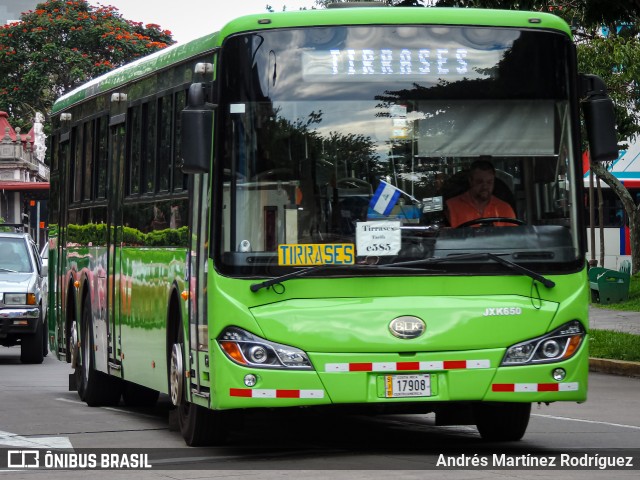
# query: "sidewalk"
[619,321]
[603,319]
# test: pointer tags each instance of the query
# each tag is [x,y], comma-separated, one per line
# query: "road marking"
[586,421]
[14,440]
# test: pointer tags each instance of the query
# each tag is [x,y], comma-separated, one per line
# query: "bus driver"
[478,201]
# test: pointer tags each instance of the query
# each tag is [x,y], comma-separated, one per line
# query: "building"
[24,177]
[10,10]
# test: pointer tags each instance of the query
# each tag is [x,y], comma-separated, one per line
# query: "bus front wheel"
[502,422]
[198,425]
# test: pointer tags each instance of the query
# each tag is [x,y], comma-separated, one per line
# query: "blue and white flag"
[384,198]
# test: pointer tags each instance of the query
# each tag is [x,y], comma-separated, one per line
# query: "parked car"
[44,259]
[22,298]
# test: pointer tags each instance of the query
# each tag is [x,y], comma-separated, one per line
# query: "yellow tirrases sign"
[308,254]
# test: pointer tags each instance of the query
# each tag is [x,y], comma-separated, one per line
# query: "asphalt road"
[38,412]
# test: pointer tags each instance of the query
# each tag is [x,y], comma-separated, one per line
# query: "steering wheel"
[487,220]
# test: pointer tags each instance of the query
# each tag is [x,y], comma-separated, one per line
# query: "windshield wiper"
[275,280]
[7,270]
[300,273]
[492,256]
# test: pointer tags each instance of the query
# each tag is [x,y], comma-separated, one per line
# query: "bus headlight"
[555,346]
[249,350]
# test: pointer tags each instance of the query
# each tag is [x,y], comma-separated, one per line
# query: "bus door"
[57,263]
[114,240]
[197,261]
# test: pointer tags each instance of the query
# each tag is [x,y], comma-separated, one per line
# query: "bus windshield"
[346,145]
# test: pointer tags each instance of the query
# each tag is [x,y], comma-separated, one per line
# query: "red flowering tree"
[62,44]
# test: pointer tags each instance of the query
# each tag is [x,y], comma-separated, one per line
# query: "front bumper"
[20,320]
[469,376]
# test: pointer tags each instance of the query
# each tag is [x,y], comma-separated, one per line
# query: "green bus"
[258,219]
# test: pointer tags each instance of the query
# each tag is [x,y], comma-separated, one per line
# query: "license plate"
[397,386]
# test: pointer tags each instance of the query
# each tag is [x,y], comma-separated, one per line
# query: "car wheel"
[31,346]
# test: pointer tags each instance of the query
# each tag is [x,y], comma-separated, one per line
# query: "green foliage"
[4,229]
[96,234]
[614,59]
[614,345]
[61,45]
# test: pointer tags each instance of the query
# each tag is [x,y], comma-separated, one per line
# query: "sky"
[189,19]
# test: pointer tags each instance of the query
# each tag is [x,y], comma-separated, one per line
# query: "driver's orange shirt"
[462,209]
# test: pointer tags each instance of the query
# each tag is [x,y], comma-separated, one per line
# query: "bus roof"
[394,16]
[136,69]
[308,18]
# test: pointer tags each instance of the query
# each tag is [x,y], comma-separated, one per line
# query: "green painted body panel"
[146,281]
[336,323]
[141,299]
[362,324]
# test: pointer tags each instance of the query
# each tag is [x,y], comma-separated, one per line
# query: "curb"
[614,367]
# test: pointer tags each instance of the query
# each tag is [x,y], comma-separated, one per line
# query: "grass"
[618,345]
[614,345]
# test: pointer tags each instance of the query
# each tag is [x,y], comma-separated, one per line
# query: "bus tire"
[198,425]
[502,422]
[134,395]
[31,346]
[94,388]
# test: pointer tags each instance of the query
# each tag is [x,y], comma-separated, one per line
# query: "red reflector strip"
[360,367]
[455,364]
[535,387]
[287,393]
[274,393]
[548,387]
[406,366]
[239,392]
[503,387]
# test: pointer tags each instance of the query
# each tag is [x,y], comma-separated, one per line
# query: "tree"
[63,44]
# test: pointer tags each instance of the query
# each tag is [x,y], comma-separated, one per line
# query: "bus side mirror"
[196,129]
[600,119]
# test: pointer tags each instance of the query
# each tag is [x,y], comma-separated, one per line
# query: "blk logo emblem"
[407,327]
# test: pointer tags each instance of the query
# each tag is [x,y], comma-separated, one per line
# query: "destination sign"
[309,254]
[381,64]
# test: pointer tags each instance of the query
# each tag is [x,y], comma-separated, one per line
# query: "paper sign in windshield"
[378,238]
[309,254]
